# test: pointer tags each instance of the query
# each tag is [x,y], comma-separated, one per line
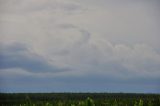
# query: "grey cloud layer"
[66,41]
[18,56]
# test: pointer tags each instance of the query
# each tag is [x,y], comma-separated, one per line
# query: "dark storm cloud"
[104,45]
[18,56]
[78,84]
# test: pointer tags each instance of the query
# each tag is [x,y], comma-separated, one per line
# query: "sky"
[80,46]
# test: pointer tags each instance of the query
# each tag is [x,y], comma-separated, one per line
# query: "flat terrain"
[79,99]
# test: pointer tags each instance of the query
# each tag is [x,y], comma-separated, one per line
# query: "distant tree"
[150,103]
[89,102]
[140,102]
[28,101]
[136,103]
[115,103]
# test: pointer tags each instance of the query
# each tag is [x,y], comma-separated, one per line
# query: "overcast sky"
[80,46]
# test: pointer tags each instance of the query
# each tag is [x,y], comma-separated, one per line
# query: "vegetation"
[79,99]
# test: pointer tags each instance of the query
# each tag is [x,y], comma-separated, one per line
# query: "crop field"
[79,99]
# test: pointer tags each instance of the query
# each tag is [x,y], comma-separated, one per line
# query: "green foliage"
[140,102]
[79,99]
[150,103]
[81,103]
[48,104]
[28,101]
[115,103]
[136,103]
[60,103]
[89,102]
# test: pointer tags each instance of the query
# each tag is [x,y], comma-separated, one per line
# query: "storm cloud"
[18,56]
[68,45]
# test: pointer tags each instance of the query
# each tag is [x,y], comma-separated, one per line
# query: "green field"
[79,99]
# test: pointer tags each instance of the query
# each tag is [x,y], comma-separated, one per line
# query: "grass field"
[79,99]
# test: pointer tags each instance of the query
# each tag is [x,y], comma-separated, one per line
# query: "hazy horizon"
[80,46]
